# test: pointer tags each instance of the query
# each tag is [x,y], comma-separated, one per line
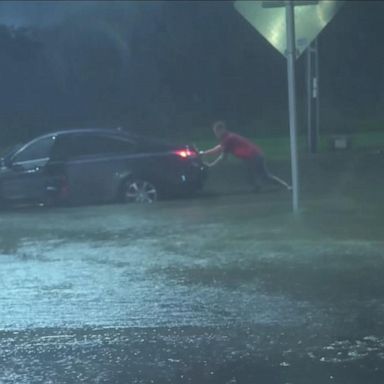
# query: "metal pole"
[317,93]
[313,97]
[291,57]
[309,97]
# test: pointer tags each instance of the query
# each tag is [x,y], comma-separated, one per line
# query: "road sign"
[268,17]
[277,3]
[290,26]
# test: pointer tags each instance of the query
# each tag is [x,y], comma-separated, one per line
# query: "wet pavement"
[225,288]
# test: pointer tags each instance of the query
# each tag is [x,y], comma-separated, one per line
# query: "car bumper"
[192,179]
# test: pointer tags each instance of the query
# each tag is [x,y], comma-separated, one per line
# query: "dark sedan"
[98,165]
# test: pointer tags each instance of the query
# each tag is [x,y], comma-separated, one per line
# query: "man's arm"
[214,162]
[218,150]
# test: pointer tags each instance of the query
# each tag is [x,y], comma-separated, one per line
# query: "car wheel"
[139,191]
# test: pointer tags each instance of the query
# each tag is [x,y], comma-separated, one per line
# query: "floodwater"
[228,287]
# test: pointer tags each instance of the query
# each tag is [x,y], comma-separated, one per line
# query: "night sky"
[170,68]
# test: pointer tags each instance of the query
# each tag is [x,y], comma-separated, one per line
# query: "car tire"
[137,190]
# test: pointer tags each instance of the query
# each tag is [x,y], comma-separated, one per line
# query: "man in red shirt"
[245,150]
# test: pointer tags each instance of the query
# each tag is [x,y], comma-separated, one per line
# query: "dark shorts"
[257,172]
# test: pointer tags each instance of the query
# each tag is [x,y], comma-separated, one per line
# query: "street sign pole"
[313,113]
[291,36]
[291,58]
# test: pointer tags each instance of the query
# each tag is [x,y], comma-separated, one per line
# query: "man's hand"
[211,164]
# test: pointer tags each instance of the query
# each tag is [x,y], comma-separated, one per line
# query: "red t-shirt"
[239,146]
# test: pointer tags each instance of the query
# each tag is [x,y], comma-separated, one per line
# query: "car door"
[27,174]
[95,165]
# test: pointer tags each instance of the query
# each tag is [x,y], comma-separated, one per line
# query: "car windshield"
[38,149]
[10,150]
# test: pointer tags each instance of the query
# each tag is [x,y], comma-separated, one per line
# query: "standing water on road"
[202,292]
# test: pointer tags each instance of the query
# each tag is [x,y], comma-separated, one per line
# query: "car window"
[62,147]
[85,145]
[39,149]
[105,144]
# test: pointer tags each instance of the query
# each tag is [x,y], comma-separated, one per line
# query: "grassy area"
[278,148]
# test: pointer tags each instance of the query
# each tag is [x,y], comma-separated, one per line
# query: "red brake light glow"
[185,153]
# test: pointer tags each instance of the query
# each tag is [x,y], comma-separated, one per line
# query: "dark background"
[170,68]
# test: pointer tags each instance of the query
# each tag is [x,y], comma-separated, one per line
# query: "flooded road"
[225,288]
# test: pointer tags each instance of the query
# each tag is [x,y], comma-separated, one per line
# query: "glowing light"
[184,153]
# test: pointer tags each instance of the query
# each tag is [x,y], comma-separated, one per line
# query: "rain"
[224,284]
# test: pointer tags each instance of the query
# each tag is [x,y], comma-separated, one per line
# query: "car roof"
[113,132]
[108,131]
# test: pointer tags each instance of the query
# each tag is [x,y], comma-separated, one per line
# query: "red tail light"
[185,153]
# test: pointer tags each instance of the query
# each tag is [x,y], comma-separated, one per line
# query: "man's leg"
[254,176]
[258,174]
[277,180]
[268,176]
